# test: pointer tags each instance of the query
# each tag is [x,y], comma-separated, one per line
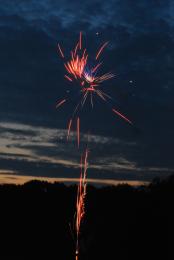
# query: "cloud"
[94,13]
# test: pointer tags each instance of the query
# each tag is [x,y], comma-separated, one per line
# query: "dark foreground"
[121,222]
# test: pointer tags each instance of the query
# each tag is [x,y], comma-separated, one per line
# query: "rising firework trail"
[88,80]
[81,195]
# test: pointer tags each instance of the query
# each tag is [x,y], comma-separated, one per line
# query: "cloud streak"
[44,152]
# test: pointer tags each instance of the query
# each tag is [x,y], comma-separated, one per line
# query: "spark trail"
[81,195]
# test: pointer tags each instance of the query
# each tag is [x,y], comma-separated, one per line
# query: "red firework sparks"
[78,70]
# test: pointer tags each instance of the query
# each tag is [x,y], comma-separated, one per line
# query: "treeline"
[121,222]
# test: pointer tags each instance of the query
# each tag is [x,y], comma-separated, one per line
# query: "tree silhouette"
[121,222]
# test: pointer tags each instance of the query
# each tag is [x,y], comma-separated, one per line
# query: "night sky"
[140,53]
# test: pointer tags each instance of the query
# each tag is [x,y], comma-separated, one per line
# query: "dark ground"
[120,223]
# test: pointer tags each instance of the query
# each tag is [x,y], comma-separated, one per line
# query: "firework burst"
[88,79]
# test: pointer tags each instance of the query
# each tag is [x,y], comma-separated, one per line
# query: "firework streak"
[89,82]
[81,194]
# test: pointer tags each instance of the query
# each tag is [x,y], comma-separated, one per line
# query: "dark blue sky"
[140,53]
